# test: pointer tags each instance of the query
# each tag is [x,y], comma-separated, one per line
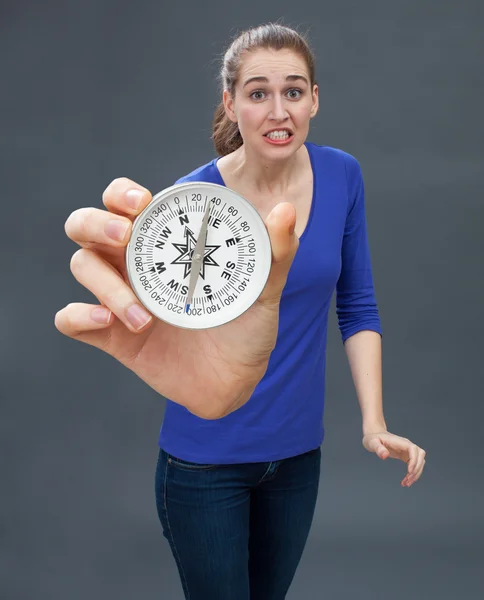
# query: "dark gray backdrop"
[98,89]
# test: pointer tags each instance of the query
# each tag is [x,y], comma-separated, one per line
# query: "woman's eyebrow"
[265,80]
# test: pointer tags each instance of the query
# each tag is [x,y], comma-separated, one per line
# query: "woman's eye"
[297,91]
[295,94]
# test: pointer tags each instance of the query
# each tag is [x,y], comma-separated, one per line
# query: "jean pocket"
[188,465]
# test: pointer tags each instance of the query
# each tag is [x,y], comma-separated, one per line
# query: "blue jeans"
[237,531]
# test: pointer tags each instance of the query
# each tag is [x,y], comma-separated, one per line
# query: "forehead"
[273,64]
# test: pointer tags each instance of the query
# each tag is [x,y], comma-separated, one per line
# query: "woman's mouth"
[279,137]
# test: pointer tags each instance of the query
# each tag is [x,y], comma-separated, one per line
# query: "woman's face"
[273,102]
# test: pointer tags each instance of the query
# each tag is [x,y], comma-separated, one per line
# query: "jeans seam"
[184,579]
[267,471]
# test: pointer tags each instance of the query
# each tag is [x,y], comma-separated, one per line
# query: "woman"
[239,458]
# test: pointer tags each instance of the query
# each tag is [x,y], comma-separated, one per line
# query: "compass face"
[234,267]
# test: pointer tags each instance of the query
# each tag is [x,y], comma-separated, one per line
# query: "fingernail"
[116,230]
[133,198]
[137,316]
[101,315]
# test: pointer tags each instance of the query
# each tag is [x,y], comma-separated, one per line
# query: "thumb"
[280,224]
[382,452]
[375,445]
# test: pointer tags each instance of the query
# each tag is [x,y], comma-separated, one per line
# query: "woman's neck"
[262,177]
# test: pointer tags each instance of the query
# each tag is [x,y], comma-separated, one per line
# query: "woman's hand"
[211,372]
[386,444]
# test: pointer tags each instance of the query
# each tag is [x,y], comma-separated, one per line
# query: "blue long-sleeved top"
[284,415]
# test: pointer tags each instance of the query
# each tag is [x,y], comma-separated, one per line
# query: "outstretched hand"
[210,372]
[387,445]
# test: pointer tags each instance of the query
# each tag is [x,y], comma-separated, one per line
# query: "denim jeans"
[237,531]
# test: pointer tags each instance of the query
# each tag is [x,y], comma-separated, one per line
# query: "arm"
[365,359]
[361,332]
[356,306]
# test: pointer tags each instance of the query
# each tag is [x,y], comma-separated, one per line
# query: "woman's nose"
[278,110]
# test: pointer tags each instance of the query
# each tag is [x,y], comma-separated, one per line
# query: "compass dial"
[234,263]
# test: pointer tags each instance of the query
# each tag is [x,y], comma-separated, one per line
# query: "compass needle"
[197,257]
[233,262]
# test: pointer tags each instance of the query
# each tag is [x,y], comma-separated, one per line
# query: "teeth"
[278,135]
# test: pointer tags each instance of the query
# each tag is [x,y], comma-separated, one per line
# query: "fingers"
[77,318]
[413,454]
[414,472]
[411,479]
[108,286]
[124,200]
[280,225]
[126,197]
[92,225]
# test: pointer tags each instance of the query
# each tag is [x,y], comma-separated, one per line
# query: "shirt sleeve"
[356,306]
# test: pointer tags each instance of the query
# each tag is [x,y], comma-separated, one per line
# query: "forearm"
[364,352]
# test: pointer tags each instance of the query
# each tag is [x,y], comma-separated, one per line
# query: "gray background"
[98,89]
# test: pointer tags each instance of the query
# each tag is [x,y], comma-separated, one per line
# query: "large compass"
[199,255]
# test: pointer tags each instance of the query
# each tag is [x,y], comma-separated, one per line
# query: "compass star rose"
[186,252]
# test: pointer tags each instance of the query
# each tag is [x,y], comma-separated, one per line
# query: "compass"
[199,255]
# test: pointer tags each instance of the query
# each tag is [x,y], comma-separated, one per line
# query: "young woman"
[240,446]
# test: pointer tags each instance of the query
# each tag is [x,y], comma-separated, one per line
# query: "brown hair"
[225,133]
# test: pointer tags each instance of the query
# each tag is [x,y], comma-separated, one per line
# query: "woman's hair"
[225,133]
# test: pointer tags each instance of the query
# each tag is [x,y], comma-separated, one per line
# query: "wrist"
[374,427]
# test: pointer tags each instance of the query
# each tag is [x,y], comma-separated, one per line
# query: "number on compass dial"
[233,258]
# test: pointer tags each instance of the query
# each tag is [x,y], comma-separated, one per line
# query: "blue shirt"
[284,415]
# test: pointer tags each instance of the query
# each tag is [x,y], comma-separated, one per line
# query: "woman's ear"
[229,106]
[315,106]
